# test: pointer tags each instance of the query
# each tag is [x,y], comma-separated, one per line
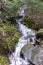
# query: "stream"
[27,39]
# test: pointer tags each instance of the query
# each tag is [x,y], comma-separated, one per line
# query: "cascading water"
[27,34]
[15,58]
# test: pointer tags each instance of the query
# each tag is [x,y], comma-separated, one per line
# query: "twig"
[38,42]
[31,62]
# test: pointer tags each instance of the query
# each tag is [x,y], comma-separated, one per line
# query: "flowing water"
[27,35]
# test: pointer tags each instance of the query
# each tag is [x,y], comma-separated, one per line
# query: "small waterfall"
[27,33]
[21,11]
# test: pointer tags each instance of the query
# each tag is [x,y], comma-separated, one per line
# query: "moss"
[8,36]
[3,60]
[12,41]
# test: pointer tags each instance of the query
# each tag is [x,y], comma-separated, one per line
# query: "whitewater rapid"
[27,33]
[24,40]
[28,37]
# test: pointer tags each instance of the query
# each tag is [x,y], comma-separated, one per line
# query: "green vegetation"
[8,38]
[3,60]
[9,34]
[34,14]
